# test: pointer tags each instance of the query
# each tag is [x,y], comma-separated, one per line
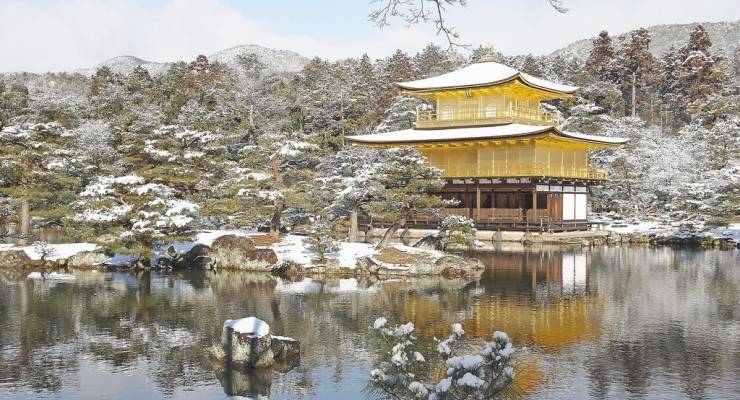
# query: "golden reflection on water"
[541,301]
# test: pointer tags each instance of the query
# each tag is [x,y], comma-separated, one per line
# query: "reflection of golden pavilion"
[552,306]
[539,299]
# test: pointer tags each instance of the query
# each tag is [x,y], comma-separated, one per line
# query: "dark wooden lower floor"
[493,219]
[537,206]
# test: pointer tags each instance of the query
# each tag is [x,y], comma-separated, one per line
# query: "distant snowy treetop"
[725,37]
[483,74]
[250,325]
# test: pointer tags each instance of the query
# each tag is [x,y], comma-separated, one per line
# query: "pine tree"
[635,68]
[698,76]
[432,60]
[600,61]
[345,181]
[37,172]
[405,181]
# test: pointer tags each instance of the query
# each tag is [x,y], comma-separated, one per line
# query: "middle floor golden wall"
[532,159]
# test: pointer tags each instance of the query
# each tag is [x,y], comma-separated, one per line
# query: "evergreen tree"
[635,68]
[405,181]
[432,60]
[346,180]
[600,61]
[37,172]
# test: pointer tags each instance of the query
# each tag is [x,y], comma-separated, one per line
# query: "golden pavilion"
[503,158]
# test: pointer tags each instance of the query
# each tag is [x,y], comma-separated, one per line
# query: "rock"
[164,263]
[452,273]
[428,242]
[233,243]
[15,259]
[172,252]
[247,343]
[239,252]
[366,265]
[285,347]
[86,259]
[196,258]
[288,268]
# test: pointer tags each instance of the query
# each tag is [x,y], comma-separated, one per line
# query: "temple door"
[555,206]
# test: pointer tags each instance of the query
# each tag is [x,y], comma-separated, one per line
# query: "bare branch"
[416,11]
[559,6]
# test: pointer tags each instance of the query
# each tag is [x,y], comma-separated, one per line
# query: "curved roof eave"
[508,131]
[480,75]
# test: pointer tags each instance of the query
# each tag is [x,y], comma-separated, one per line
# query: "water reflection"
[615,322]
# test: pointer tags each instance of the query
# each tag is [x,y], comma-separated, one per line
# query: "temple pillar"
[477,201]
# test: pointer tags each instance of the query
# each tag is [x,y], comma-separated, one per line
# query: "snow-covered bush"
[320,242]
[44,250]
[405,373]
[456,231]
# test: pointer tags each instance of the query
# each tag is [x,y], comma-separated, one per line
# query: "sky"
[59,35]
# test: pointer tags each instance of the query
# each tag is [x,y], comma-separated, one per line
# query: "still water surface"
[609,323]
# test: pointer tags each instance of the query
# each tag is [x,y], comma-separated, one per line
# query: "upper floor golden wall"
[512,102]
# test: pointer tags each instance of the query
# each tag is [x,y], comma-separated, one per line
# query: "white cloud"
[58,36]
[64,35]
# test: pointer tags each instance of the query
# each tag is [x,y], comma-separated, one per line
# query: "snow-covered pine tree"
[405,182]
[345,181]
[601,59]
[634,74]
[37,172]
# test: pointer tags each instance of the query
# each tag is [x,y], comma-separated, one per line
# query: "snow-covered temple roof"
[409,136]
[483,74]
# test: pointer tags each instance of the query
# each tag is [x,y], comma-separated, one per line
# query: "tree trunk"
[279,201]
[634,95]
[275,221]
[389,234]
[25,222]
[353,228]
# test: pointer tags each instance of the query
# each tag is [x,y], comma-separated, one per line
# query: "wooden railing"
[475,170]
[495,219]
[446,119]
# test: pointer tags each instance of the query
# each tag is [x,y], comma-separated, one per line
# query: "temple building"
[503,158]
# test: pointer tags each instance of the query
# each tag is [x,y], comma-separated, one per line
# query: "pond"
[613,322]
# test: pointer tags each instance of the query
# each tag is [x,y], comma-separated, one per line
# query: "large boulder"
[233,243]
[239,252]
[15,259]
[86,259]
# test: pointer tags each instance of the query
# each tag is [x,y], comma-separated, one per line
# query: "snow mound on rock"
[250,325]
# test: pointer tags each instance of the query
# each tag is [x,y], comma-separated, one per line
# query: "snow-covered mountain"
[276,61]
[126,64]
[725,37]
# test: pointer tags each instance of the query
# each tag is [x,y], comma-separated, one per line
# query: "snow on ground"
[61,250]
[291,248]
[732,232]
[663,228]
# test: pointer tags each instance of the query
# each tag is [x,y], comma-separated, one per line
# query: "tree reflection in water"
[614,322]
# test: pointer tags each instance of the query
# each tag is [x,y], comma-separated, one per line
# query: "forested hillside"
[156,153]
